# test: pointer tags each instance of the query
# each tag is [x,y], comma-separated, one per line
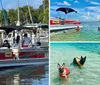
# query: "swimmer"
[64,31]
[98,28]
[78,29]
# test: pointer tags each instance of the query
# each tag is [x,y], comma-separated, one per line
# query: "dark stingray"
[66,10]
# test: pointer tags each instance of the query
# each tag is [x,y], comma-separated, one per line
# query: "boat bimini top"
[11,28]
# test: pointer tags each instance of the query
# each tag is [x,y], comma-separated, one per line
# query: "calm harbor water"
[89,74]
[28,75]
[89,32]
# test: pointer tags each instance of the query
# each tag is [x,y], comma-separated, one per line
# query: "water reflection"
[30,75]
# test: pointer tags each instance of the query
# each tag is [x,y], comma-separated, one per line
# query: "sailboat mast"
[5,19]
[18,22]
[29,11]
[44,11]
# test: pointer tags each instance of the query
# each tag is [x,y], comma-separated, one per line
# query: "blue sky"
[88,10]
[9,4]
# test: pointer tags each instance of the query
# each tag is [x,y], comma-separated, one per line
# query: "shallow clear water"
[29,75]
[89,32]
[89,74]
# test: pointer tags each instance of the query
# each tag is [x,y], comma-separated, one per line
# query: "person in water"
[63,71]
[64,31]
[6,44]
[78,29]
[98,28]
[26,41]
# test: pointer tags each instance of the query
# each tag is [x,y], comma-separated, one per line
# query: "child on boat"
[6,44]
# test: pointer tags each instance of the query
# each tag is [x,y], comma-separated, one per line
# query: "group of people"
[25,42]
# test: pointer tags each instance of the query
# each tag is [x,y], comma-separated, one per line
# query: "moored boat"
[18,52]
[61,24]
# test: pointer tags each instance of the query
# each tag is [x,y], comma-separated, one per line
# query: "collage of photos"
[24,42]
[49,42]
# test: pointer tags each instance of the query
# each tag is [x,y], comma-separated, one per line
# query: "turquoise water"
[26,75]
[89,74]
[89,32]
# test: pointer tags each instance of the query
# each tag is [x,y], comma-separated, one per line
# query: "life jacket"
[67,72]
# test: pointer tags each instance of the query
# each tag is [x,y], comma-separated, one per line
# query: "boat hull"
[23,53]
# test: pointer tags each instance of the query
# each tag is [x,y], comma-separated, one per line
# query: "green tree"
[2,21]
[37,15]
[44,13]
[12,16]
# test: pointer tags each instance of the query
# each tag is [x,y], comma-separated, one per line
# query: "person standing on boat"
[16,44]
[26,41]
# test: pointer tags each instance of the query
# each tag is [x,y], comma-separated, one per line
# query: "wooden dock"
[23,62]
[63,27]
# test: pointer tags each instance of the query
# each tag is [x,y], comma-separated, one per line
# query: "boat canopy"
[44,26]
[11,28]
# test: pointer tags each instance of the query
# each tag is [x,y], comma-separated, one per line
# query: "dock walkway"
[63,27]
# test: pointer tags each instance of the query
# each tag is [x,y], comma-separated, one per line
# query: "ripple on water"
[28,75]
[89,32]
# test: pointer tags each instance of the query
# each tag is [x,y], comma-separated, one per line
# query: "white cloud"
[94,8]
[59,3]
[53,7]
[86,0]
[91,13]
[94,3]
[76,1]
[64,3]
[88,13]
